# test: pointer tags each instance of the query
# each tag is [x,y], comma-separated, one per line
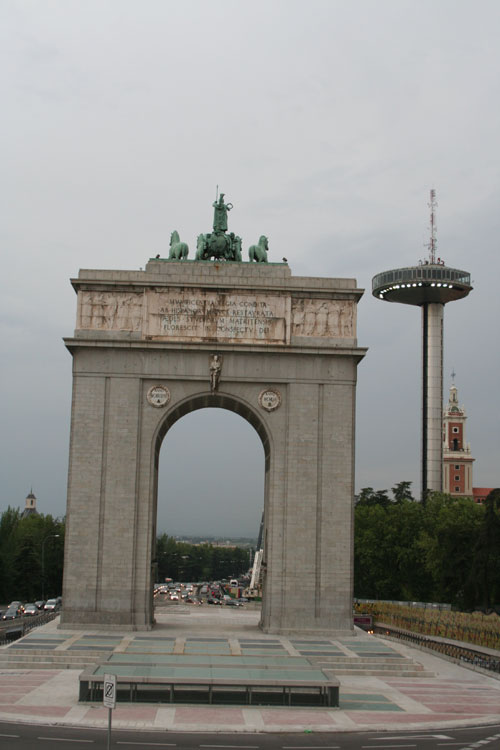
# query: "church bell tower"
[457,459]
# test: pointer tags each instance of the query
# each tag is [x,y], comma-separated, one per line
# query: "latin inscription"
[219,316]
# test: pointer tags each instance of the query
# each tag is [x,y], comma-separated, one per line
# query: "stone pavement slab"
[454,696]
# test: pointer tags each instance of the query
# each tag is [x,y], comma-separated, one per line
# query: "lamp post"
[49,536]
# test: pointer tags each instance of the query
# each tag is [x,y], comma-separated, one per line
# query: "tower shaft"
[432,397]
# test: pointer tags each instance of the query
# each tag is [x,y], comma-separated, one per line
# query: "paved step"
[46,665]
[34,660]
[18,658]
[39,658]
[378,673]
[372,664]
[380,666]
[48,653]
[327,659]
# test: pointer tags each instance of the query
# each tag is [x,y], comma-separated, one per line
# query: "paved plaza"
[438,693]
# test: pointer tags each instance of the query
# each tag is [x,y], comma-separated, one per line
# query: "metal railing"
[470,655]
[11,630]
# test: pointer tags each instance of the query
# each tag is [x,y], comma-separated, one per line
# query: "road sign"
[109,691]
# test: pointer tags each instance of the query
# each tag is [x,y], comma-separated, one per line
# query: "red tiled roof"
[481,492]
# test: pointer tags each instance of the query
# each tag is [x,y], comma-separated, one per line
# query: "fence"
[456,651]
[14,629]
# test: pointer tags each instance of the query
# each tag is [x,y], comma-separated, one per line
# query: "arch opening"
[213,400]
[225,499]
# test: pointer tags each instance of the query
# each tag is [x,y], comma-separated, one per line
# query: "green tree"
[368,496]
[197,562]
[483,584]
[448,539]
[21,546]
[388,562]
[402,491]
[8,524]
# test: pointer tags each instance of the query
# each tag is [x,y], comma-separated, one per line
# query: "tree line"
[446,550]
[32,555]
[185,562]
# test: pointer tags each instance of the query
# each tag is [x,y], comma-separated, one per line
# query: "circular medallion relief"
[270,399]
[158,395]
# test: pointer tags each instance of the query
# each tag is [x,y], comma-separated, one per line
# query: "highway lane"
[42,737]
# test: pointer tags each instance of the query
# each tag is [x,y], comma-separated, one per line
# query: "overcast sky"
[326,124]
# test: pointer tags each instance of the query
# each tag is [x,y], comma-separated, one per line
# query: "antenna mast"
[433,242]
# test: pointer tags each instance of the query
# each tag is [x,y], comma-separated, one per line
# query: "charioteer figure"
[219,245]
[221,210]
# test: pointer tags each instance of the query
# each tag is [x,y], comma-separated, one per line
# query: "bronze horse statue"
[178,250]
[259,252]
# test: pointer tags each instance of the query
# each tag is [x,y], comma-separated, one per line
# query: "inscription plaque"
[213,315]
[270,399]
[158,395]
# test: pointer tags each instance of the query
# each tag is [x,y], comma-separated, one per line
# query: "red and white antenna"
[432,242]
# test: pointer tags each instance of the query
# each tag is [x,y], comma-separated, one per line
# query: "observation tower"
[429,285]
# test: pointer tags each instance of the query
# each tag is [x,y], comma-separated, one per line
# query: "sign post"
[109,699]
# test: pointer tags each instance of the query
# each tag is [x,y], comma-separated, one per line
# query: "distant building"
[457,457]
[481,493]
[30,506]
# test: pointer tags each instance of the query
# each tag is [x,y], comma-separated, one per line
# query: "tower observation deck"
[429,285]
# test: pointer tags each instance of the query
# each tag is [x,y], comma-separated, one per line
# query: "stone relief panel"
[199,315]
[110,311]
[323,318]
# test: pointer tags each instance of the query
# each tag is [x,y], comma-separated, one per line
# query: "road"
[34,737]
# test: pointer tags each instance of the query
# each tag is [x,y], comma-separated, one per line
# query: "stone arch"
[287,374]
[212,401]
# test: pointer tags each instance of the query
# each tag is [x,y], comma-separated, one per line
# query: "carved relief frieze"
[198,315]
[323,318]
[110,311]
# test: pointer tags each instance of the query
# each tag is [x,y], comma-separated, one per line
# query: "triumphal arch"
[152,345]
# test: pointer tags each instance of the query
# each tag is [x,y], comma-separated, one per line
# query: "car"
[19,605]
[233,603]
[11,613]
[30,610]
[174,596]
[40,604]
[51,605]
[213,600]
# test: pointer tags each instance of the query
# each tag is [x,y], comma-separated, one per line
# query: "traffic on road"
[215,593]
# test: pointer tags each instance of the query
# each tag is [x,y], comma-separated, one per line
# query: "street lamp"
[55,536]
